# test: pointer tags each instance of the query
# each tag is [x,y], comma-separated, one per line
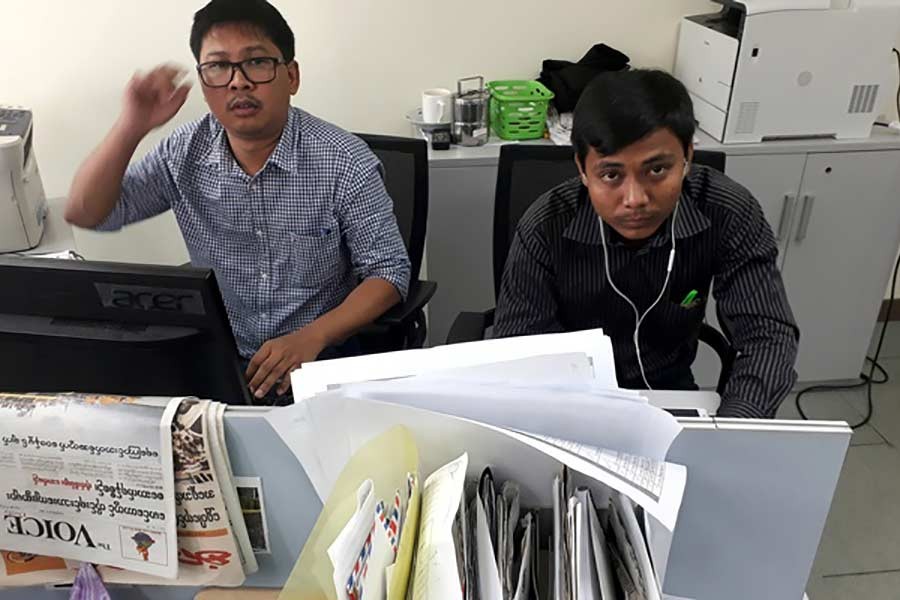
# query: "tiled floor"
[859,556]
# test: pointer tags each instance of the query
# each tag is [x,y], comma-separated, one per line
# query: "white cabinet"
[843,243]
[774,180]
[837,217]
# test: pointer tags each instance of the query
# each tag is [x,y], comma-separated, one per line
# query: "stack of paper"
[579,358]
[543,478]
[600,554]
[483,527]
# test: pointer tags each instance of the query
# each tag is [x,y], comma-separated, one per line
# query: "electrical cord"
[72,255]
[897,53]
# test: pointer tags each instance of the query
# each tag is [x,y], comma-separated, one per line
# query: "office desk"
[746,530]
[740,517]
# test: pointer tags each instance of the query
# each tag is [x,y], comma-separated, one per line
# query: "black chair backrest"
[405,162]
[525,172]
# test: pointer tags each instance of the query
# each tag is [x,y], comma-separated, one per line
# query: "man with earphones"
[636,243]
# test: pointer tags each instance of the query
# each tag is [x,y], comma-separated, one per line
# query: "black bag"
[567,79]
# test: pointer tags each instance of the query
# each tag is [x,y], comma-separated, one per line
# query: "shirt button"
[264,315]
[259,233]
[264,276]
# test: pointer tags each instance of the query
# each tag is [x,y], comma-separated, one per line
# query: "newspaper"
[209,543]
[86,478]
[208,553]
[227,487]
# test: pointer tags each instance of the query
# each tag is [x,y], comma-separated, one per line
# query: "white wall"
[363,62]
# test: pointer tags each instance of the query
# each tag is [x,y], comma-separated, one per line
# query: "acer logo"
[147,300]
[49,529]
[137,297]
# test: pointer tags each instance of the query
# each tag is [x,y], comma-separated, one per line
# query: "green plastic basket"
[519,109]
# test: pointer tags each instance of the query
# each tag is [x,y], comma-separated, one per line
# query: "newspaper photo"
[250,494]
[86,478]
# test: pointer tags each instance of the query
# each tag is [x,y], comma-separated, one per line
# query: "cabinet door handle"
[787,210]
[805,213]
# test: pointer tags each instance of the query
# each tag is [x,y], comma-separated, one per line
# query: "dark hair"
[619,108]
[256,13]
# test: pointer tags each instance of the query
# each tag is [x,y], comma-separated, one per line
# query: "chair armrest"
[420,292]
[470,326]
[714,338]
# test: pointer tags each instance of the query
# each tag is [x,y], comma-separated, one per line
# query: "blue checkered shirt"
[288,244]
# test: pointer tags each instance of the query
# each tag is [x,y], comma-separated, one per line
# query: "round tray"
[414,116]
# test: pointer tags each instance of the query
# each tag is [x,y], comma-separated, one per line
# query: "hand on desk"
[275,360]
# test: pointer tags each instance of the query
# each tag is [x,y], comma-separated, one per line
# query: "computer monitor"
[95,327]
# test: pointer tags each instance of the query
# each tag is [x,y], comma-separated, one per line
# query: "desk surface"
[706,400]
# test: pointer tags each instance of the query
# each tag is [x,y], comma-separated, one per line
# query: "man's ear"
[293,69]
[689,158]
[584,180]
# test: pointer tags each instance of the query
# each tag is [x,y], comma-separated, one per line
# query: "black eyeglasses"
[219,73]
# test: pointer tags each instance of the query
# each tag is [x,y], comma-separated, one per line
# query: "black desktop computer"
[109,328]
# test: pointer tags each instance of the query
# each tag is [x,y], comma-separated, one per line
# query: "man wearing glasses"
[290,211]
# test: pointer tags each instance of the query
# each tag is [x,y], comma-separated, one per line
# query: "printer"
[23,205]
[783,69]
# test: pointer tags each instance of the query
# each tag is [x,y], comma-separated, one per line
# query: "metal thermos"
[470,113]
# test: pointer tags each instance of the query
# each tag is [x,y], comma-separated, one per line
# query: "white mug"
[436,105]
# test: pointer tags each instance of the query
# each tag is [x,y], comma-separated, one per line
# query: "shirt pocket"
[315,258]
[687,297]
[679,320]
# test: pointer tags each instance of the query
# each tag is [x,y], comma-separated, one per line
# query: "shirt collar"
[585,226]
[282,157]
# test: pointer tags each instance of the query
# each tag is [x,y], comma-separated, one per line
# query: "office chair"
[405,162]
[524,173]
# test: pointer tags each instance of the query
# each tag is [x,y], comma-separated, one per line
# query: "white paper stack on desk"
[507,418]
[599,554]
[484,533]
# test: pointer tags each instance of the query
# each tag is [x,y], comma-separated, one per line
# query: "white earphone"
[639,318]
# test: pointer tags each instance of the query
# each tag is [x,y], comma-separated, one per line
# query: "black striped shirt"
[554,281]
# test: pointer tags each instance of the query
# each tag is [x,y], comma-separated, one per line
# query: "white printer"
[772,69]
[23,206]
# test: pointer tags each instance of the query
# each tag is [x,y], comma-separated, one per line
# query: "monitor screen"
[109,328]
